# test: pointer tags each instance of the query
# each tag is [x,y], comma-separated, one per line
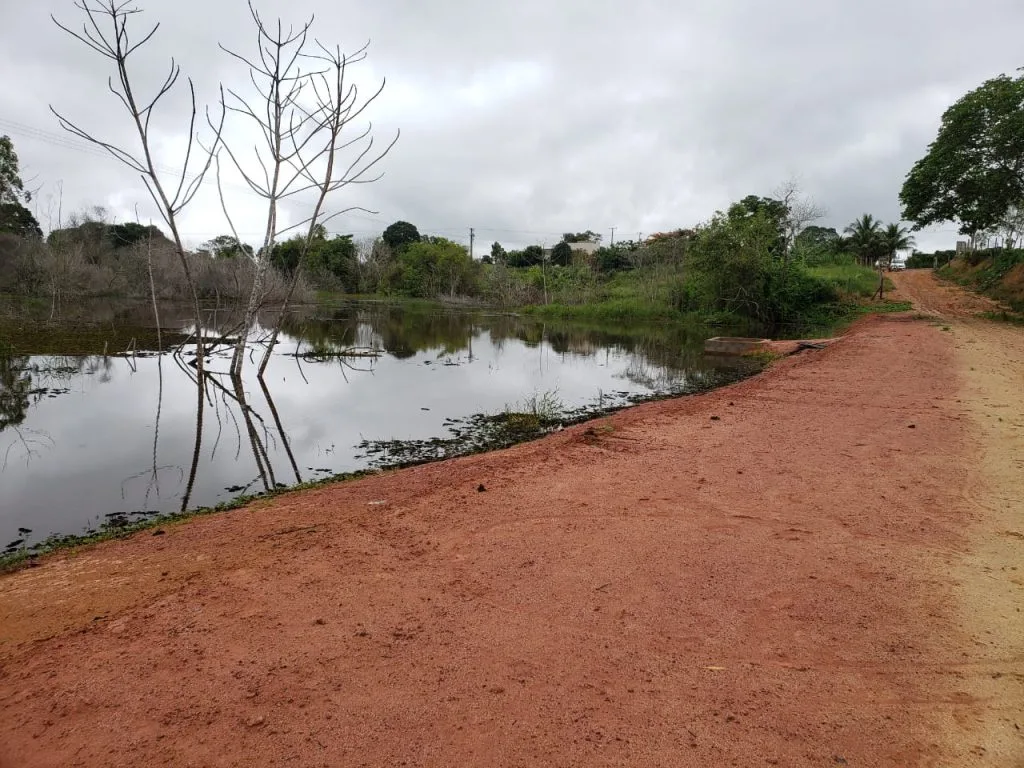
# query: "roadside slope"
[771,574]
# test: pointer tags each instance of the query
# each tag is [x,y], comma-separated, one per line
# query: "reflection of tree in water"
[404,332]
[232,408]
[18,393]
[247,423]
[15,385]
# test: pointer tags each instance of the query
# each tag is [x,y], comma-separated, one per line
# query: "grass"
[763,357]
[852,280]
[998,273]
[542,406]
[611,310]
[831,319]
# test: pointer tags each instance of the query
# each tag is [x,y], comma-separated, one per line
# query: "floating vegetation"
[55,339]
[537,416]
[320,354]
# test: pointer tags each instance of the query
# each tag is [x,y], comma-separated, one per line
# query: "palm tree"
[895,238]
[865,238]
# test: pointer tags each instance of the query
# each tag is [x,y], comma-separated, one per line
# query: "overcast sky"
[529,119]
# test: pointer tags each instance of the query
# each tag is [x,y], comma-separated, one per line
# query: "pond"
[103,439]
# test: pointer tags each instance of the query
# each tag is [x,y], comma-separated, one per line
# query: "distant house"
[588,248]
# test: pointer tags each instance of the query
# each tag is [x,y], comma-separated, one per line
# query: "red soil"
[763,575]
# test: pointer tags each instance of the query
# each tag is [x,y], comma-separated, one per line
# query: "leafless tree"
[801,211]
[301,145]
[1009,230]
[105,30]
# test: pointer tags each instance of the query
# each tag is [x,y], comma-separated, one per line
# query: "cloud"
[530,119]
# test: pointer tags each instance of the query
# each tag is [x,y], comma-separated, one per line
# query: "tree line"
[744,259]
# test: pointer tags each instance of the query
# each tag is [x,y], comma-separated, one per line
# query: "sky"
[525,120]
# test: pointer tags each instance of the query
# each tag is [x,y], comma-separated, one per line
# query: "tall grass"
[851,279]
[609,311]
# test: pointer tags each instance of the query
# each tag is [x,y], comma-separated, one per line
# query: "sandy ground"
[814,567]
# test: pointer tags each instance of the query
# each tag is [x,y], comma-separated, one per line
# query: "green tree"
[15,218]
[226,247]
[497,253]
[817,245]
[864,239]
[973,172]
[582,237]
[400,235]
[329,263]
[128,234]
[892,239]
[561,254]
[18,220]
[435,266]
[12,189]
[611,259]
[334,261]
[733,267]
[528,257]
[775,211]
[15,388]
[815,237]
[287,254]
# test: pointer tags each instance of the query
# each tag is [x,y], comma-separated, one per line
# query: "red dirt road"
[814,567]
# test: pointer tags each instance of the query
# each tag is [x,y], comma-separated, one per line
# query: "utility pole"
[613,236]
[472,234]
[544,274]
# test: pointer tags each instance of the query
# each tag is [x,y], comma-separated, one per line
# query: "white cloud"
[529,119]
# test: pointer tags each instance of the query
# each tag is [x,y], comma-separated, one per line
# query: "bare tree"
[1009,230]
[105,31]
[800,211]
[300,150]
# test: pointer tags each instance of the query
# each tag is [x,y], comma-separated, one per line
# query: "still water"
[90,439]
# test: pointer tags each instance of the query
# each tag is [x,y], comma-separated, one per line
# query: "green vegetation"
[849,279]
[327,262]
[732,270]
[919,260]
[973,173]
[996,272]
[758,262]
[608,311]
[15,218]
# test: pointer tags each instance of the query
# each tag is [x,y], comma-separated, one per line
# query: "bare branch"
[114,43]
[223,204]
[119,154]
[329,217]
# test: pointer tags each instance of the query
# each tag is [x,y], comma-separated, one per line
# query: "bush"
[735,268]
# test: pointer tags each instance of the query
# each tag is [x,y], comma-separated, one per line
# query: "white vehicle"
[896,266]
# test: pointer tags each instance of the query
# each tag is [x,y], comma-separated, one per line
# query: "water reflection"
[88,440]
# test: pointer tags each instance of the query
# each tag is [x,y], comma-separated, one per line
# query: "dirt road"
[814,567]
